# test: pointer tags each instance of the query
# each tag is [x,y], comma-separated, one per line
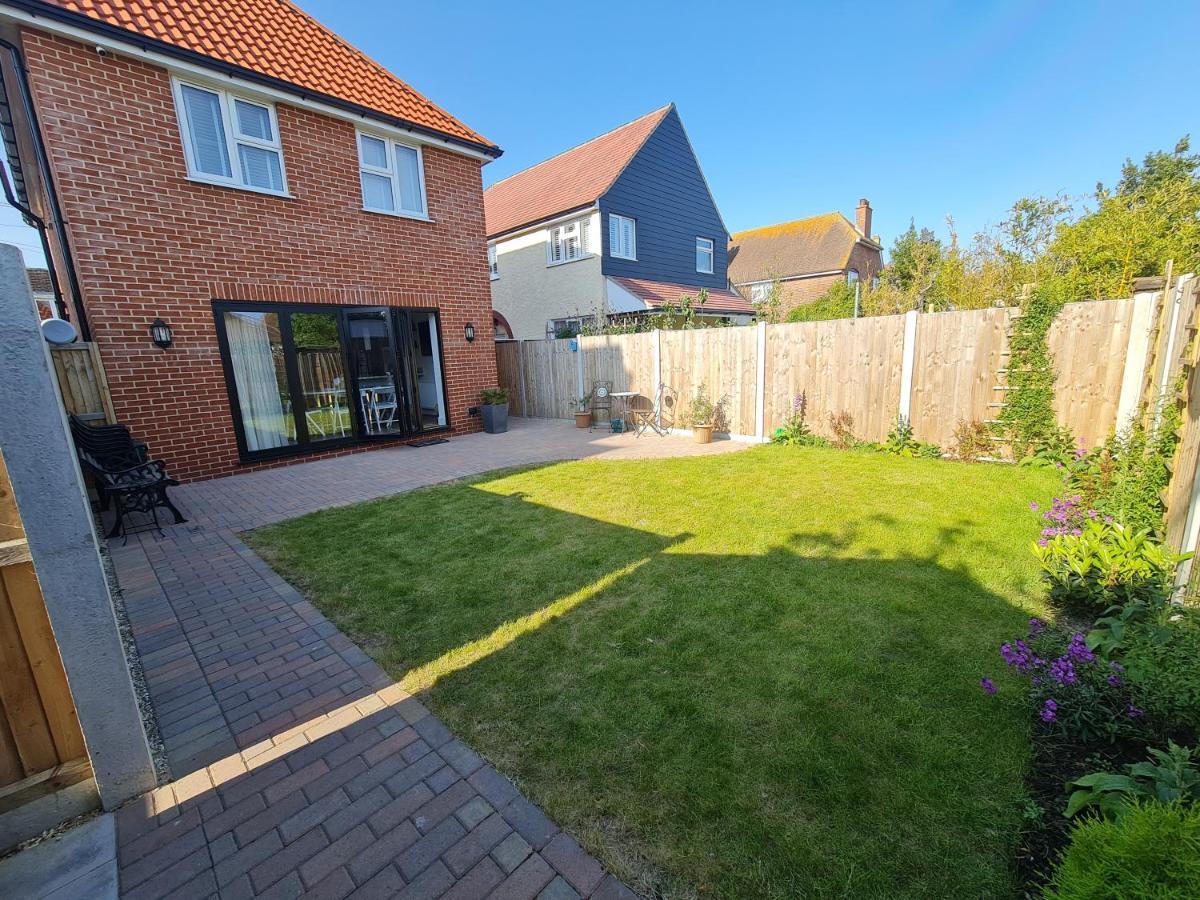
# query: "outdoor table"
[624,397]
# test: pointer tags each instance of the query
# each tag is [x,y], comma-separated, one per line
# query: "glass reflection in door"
[322,375]
[260,379]
[373,361]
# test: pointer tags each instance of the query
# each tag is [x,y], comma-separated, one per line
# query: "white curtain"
[254,376]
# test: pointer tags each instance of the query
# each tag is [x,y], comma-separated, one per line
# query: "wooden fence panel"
[551,378]
[1089,342]
[82,381]
[509,375]
[724,360]
[846,365]
[956,361]
[627,360]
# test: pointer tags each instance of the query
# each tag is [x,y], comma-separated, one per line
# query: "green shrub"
[1106,565]
[496,396]
[1169,776]
[1152,851]
[900,442]
[836,303]
[1163,662]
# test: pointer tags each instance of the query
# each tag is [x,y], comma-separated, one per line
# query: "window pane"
[206,133]
[253,120]
[374,152]
[377,192]
[256,352]
[322,375]
[260,168]
[408,163]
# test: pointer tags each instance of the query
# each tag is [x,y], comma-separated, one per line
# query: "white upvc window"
[759,293]
[392,175]
[568,242]
[622,237]
[493,265]
[704,255]
[229,139]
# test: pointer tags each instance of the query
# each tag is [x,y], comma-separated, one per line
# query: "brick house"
[308,226]
[807,257]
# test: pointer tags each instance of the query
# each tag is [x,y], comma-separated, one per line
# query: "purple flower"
[1135,712]
[1108,520]
[1078,649]
[1114,680]
[1049,711]
[988,687]
[1063,671]
[1116,666]
[1036,626]
[1033,504]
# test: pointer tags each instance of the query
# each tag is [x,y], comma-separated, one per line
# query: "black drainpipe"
[43,161]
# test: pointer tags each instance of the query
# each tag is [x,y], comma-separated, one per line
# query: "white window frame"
[493,263]
[558,241]
[761,292]
[232,137]
[578,322]
[615,220]
[712,254]
[392,173]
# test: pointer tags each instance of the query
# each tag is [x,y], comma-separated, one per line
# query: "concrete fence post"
[579,380]
[1137,354]
[907,363]
[656,347]
[58,524]
[760,385]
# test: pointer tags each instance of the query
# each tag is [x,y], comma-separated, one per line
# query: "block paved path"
[299,768]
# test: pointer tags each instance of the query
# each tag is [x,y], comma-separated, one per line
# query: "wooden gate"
[41,745]
[82,382]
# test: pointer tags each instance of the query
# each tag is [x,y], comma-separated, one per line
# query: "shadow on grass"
[801,721]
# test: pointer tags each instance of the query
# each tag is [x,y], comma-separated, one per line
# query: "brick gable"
[151,243]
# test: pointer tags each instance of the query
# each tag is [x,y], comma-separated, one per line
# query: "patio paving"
[299,767]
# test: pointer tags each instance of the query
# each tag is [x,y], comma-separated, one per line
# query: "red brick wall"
[150,243]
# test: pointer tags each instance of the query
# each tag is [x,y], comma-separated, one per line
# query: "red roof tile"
[572,179]
[279,40]
[658,293]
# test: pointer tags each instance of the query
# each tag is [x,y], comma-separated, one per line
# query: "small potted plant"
[583,412]
[494,410]
[700,414]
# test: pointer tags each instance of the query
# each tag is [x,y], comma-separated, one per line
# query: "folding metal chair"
[601,403]
[642,412]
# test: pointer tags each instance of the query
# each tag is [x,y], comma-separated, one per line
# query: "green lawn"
[747,675]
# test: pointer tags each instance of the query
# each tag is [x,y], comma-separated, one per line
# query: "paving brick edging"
[374,797]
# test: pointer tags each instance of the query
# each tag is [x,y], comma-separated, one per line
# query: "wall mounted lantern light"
[160,333]
[469,331]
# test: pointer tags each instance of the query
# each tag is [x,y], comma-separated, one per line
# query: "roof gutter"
[33,10]
[59,226]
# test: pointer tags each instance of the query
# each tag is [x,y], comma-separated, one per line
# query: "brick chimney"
[862,218]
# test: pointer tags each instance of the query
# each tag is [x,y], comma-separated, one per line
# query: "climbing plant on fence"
[1027,419]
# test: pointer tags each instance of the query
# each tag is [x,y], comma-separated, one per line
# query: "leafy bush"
[900,442]
[1074,693]
[973,440]
[842,426]
[1153,851]
[1106,565]
[1163,660]
[836,303]
[495,396]
[1171,776]
[701,410]
[795,430]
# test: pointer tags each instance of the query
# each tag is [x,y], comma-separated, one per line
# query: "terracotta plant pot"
[583,419]
[702,434]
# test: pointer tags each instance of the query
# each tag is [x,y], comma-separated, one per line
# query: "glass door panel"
[374,367]
[427,356]
[260,379]
[324,400]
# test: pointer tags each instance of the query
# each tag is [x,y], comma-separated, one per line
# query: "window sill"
[416,217]
[213,182]
[567,262]
[625,258]
[493,278]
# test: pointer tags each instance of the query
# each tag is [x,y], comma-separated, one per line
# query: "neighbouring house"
[614,228]
[806,257]
[43,292]
[277,245]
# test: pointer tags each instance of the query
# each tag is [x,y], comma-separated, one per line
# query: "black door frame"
[405,366]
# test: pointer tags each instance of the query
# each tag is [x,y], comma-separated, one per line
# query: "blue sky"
[929,109]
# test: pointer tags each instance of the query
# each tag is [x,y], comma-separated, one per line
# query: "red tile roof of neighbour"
[816,244]
[658,293]
[572,179]
[276,39]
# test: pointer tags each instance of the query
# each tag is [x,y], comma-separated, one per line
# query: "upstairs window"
[568,242]
[622,237]
[852,277]
[704,255]
[493,266]
[392,176]
[230,140]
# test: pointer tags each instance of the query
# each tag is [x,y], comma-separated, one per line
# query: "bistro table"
[623,396]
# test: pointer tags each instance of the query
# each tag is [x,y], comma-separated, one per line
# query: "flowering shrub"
[1073,691]
[796,430]
[1103,565]
[1066,515]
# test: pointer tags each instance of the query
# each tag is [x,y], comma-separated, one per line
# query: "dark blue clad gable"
[662,189]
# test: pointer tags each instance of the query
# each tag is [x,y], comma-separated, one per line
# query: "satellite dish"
[59,332]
